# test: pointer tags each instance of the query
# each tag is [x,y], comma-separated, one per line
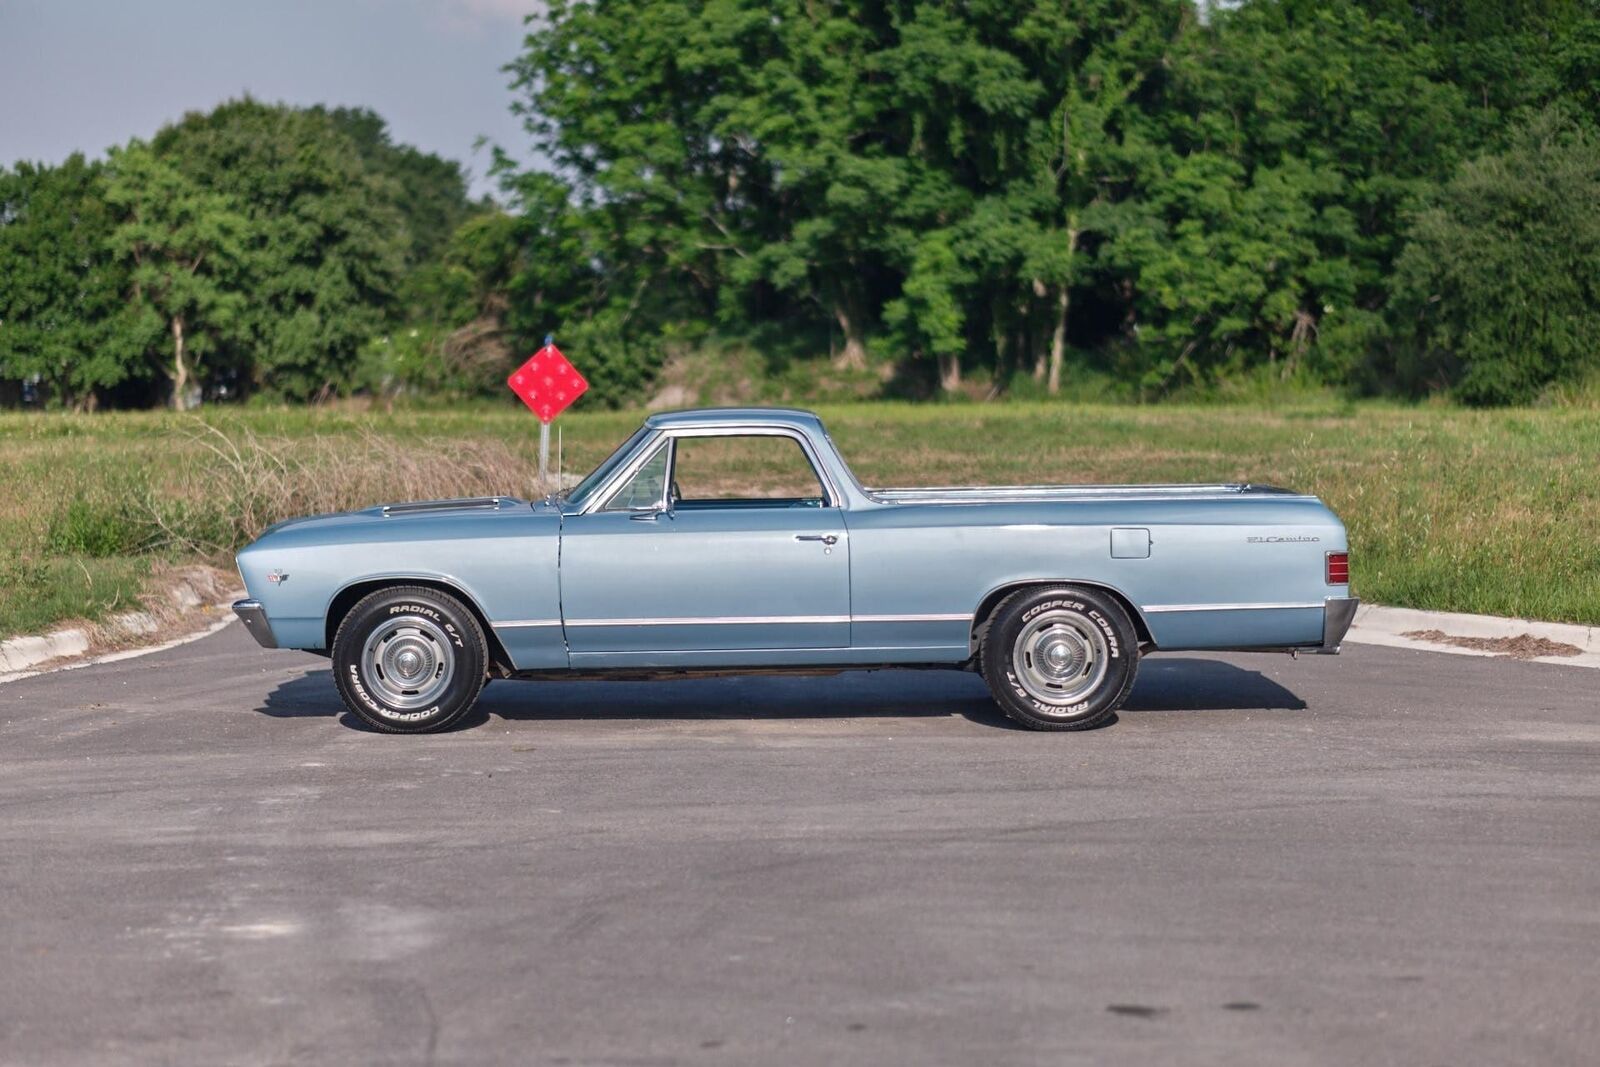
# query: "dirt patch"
[1522,646]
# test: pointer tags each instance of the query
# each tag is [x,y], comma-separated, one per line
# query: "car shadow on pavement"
[855,694]
[1173,683]
[1163,685]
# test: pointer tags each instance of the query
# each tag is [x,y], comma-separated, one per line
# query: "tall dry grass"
[231,484]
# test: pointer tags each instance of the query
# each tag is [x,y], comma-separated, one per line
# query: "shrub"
[1501,273]
[112,520]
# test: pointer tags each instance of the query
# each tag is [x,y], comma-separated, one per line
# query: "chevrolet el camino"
[652,567]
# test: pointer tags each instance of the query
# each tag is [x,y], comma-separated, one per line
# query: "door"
[720,543]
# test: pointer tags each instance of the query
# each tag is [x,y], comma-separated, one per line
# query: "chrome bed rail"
[1026,493]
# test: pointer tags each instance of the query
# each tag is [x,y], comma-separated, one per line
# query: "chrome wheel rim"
[1060,658]
[408,662]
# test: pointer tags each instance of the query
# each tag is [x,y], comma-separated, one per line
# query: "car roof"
[792,418]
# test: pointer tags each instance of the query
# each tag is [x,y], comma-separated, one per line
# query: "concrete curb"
[24,657]
[21,653]
[1378,625]
[53,665]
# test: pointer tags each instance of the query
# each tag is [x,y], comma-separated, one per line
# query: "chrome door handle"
[827,539]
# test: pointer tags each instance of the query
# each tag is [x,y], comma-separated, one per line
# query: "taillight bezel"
[1336,567]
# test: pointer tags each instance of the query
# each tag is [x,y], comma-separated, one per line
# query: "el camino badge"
[1273,540]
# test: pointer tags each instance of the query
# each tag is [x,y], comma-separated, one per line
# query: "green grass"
[36,594]
[1483,511]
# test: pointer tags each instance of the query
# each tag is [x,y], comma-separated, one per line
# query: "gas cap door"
[1130,544]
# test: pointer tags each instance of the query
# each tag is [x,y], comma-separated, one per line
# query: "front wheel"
[1060,657]
[408,660]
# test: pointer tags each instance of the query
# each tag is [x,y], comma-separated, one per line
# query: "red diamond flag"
[547,383]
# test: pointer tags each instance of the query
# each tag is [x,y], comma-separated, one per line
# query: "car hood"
[401,515]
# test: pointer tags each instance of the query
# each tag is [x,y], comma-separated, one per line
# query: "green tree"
[830,189]
[1500,278]
[324,245]
[430,192]
[1507,56]
[1268,214]
[928,315]
[1102,66]
[1168,188]
[791,159]
[1231,268]
[538,265]
[957,104]
[616,97]
[64,318]
[183,246]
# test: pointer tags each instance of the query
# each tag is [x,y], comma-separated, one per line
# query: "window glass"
[585,489]
[755,469]
[643,490]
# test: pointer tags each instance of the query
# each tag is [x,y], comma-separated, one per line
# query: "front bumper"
[254,617]
[1337,615]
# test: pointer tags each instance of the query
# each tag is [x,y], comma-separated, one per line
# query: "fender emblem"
[277,577]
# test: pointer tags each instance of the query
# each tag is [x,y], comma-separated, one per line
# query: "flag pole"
[544,438]
[544,457]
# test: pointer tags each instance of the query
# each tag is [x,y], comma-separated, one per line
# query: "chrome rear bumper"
[254,617]
[1337,615]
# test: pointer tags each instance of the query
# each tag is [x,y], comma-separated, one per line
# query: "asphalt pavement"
[1389,857]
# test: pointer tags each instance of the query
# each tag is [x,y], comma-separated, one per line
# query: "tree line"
[1386,196]
[252,248]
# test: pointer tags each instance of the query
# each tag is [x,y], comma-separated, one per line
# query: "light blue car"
[652,567]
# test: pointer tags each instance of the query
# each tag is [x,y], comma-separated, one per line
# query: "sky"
[83,75]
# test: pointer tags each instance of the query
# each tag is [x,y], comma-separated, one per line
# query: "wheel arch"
[991,600]
[352,594]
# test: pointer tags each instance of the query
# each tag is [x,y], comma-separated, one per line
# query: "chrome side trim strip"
[584,656]
[512,624]
[716,620]
[1152,608]
[754,620]
[957,617]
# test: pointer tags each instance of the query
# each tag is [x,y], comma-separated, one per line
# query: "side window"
[643,490]
[754,471]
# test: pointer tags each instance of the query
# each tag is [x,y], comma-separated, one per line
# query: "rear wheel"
[1060,657]
[408,659]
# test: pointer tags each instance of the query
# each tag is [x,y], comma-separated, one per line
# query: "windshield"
[586,488]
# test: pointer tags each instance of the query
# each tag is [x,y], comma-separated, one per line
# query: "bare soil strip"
[1522,646]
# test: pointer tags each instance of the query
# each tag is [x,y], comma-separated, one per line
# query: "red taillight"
[1338,568]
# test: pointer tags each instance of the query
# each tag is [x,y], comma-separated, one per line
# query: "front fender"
[505,564]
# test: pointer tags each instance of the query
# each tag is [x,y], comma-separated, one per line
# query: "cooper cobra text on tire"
[1060,657]
[408,659]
